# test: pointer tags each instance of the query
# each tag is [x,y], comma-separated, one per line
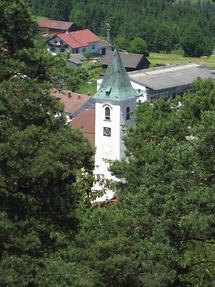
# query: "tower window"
[107,113]
[107,92]
[128,114]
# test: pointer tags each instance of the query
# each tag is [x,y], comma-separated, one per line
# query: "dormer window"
[107,92]
[107,113]
[128,114]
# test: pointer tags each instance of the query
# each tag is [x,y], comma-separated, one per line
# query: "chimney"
[69,94]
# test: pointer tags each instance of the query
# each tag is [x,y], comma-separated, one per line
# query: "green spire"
[116,85]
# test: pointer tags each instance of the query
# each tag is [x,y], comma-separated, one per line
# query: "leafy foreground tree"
[16,25]
[45,166]
[41,181]
[161,233]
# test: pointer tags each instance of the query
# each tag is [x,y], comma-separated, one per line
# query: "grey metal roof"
[129,60]
[116,85]
[77,58]
[170,76]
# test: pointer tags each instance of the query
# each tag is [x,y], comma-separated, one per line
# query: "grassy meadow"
[196,1]
[178,58]
[87,89]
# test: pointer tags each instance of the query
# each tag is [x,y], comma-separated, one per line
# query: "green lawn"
[87,89]
[197,1]
[178,58]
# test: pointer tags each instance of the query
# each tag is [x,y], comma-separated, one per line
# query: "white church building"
[114,102]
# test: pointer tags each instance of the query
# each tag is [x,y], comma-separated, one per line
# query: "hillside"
[161,23]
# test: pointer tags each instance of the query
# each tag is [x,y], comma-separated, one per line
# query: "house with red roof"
[71,101]
[81,41]
[49,26]
[79,110]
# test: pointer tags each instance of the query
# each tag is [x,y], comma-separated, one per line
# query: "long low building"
[166,81]
[49,26]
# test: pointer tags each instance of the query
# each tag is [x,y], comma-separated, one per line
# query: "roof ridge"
[76,39]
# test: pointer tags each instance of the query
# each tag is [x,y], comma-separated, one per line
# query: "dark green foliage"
[194,43]
[78,15]
[122,42]
[165,38]
[16,25]
[43,66]
[37,63]
[41,161]
[45,165]
[138,45]
[54,9]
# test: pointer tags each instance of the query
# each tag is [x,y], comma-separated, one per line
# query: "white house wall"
[92,47]
[57,45]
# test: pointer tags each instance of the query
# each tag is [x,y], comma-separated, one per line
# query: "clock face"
[107,132]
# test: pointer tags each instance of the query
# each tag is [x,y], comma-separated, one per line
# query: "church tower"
[114,102]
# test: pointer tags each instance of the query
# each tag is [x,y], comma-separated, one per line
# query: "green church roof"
[116,85]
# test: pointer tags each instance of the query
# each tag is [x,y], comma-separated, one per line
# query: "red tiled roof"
[85,36]
[54,24]
[69,40]
[85,121]
[80,38]
[71,101]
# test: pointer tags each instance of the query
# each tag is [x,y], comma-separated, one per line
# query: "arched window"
[128,114]
[107,113]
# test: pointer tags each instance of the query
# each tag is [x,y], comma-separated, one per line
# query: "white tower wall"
[114,102]
[110,147]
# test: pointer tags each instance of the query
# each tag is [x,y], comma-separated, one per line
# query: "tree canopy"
[45,165]
[17,27]
[194,43]
[138,45]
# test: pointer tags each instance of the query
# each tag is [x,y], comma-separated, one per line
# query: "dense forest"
[163,24]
